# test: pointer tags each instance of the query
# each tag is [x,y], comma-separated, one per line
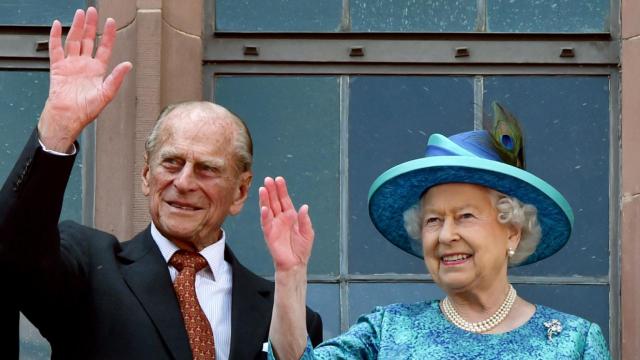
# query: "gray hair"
[242,142]
[511,211]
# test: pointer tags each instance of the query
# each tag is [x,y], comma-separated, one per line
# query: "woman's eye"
[467,216]
[430,221]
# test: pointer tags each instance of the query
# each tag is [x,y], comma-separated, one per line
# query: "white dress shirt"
[213,288]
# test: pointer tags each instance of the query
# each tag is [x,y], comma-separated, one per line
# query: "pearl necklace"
[482,326]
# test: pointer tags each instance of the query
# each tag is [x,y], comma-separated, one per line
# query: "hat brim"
[401,187]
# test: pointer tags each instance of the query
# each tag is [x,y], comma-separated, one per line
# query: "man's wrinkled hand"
[78,89]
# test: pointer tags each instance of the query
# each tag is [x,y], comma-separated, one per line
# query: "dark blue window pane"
[548,16]
[325,300]
[22,95]
[566,125]
[38,12]
[413,16]
[590,302]
[279,15]
[363,298]
[32,345]
[295,124]
[390,119]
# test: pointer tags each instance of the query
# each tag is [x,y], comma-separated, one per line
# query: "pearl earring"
[511,252]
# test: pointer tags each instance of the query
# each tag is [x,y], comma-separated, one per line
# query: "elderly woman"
[470,216]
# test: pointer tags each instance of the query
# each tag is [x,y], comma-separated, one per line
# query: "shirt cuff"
[44,148]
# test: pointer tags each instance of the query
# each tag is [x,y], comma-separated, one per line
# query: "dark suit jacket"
[93,297]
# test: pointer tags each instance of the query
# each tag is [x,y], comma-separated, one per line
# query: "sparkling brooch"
[554,327]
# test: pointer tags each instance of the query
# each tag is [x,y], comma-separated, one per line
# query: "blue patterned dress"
[420,331]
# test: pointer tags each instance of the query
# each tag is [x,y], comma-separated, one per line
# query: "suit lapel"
[145,272]
[251,306]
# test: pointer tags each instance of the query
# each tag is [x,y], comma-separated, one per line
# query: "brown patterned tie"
[188,263]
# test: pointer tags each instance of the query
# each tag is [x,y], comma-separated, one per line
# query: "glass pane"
[566,124]
[548,16]
[390,118]
[294,122]
[38,12]
[364,297]
[587,301]
[22,95]
[325,300]
[413,16]
[32,345]
[278,15]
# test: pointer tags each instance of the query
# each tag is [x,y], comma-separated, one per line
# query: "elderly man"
[174,291]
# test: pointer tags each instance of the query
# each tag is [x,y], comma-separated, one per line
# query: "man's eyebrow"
[214,163]
[167,153]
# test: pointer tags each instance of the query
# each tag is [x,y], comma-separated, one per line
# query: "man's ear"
[241,193]
[144,175]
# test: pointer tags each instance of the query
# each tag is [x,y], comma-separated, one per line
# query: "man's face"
[191,178]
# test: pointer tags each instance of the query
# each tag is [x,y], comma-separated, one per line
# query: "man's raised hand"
[78,89]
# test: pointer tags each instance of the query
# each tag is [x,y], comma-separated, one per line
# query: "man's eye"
[209,169]
[467,216]
[170,163]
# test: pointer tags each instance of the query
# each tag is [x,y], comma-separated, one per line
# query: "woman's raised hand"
[288,233]
[78,89]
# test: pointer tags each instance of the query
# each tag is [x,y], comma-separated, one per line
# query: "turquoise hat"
[470,158]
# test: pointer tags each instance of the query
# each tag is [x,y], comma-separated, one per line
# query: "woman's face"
[464,244]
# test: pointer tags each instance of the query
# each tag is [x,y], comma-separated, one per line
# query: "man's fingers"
[106,43]
[112,83]
[283,194]
[89,35]
[55,43]
[74,37]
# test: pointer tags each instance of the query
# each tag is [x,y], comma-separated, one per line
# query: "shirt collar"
[214,253]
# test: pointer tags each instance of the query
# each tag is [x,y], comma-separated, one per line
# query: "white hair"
[511,211]
[242,142]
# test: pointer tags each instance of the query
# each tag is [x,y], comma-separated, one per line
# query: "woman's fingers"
[283,194]
[304,222]
[274,202]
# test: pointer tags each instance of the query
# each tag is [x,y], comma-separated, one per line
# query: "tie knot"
[190,259]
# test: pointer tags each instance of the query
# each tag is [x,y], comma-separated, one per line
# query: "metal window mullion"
[481,19]
[344,201]
[615,214]
[478,99]
[256,68]
[345,23]
[426,278]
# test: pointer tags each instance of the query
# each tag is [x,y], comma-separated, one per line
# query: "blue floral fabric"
[420,331]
